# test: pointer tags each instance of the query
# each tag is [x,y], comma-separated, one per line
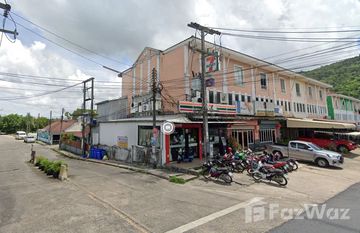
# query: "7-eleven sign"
[212,63]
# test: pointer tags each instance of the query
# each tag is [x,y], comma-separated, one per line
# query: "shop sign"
[264,109]
[190,107]
[212,62]
[122,142]
[244,108]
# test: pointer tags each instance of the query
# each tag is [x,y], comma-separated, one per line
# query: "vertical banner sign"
[212,63]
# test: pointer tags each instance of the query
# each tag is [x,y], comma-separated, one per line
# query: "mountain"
[343,75]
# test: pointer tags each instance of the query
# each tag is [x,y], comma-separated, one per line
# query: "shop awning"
[316,124]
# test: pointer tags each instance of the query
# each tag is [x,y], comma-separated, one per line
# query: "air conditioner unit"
[224,98]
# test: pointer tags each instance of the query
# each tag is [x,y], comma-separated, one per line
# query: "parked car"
[327,140]
[30,138]
[307,151]
[20,135]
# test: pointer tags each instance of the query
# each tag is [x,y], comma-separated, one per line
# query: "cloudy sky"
[91,34]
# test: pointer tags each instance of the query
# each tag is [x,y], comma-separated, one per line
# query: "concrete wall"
[113,109]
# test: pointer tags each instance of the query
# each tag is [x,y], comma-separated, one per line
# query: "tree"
[14,122]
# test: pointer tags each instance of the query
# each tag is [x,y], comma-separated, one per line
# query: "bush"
[47,165]
[43,163]
[38,160]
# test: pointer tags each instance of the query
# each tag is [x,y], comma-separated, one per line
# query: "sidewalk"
[161,173]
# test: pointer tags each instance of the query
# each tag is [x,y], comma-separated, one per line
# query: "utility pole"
[154,92]
[86,99]
[27,122]
[50,141]
[7,8]
[203,52]
[61,125]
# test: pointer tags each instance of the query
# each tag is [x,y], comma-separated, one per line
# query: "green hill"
[343,75]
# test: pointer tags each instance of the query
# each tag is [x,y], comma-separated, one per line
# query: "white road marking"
[215,215]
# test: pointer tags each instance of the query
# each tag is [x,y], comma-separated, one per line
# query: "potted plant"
[49,169]
[56,168]
[42,164]
[38,160]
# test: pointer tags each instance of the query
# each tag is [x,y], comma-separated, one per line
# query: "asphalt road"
[100,198]
[345,222]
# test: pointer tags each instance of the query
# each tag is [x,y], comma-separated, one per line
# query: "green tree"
[77,113]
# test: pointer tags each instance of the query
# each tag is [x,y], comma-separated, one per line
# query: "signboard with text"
[122,142]
[212,63]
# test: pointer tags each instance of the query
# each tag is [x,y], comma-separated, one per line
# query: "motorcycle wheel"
[239,168]
[257,176]
[280,179]
[294,166]
[226,178]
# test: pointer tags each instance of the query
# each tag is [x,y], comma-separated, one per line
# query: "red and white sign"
[211,63]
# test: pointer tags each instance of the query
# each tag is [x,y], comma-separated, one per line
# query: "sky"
[112,33]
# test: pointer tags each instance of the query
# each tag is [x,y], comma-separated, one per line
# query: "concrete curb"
[145,171]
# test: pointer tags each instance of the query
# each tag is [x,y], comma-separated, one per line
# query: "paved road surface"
[100,198]
[349,199]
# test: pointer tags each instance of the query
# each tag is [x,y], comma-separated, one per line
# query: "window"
[295,107]
[286,106]
[211,97]
[303,106]
[297,87]
[145,135]
[239,75]
[277,102]
[218,97]
[257,98]
[320,95]
[271,100]
[302,146]
[289,107]
[310,91]
[267,135]
[267,100]
[282,85]
[262,99]
[282,103]
[230,97]
[249,99]
[236,97]
[263,80]
[242,98]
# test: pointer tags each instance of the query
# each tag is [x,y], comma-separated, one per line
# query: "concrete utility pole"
[154,92]
[209,31]
[7,8]
[85,99]
[61,125]
[50,128]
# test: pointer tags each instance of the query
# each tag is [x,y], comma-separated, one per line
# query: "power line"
[38,95]
[70,42]
[288,32]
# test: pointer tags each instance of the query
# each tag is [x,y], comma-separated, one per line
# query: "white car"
[30,138]
[20,135]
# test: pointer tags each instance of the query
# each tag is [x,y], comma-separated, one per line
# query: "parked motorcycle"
[222,173]
[268,172]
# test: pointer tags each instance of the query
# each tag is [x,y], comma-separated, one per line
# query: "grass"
[177,180]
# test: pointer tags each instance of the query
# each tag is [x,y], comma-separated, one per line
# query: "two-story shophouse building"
[249,99]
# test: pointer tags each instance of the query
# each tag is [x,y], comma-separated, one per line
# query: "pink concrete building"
[249,99]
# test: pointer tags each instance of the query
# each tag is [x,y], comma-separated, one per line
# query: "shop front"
[245,133]
[184,144]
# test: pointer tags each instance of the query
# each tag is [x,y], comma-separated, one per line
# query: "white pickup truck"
[307,151]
